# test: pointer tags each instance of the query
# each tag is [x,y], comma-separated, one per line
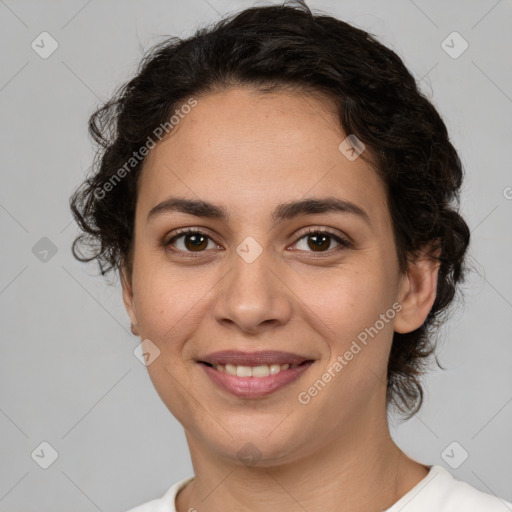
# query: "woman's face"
[254,280]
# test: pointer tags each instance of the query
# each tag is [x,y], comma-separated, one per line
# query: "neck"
[358,470]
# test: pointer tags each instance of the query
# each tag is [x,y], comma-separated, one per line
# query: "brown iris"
[195,241]
[321,242]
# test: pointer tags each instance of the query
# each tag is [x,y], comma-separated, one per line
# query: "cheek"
[347,306]
[348,300]
[168,296]
[174,391]
[169,309]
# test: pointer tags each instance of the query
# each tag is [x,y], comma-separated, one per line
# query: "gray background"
[68,373]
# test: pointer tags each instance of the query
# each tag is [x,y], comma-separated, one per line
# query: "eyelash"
[343,242]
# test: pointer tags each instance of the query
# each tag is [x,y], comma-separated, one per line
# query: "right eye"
[189,240]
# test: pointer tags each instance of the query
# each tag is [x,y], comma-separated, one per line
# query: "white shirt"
[439,491]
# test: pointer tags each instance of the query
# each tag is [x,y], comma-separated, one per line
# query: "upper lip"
[239,358]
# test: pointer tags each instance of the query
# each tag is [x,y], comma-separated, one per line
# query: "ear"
[129,304]
[417,292]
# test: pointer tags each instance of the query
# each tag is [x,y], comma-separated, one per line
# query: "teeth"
[253,371]
[260,371]
[243,371]
[274,368]
[231,369]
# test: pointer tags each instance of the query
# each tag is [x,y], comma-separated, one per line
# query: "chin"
[256,443]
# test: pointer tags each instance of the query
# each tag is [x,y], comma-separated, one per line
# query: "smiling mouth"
[259,371]
[254,382]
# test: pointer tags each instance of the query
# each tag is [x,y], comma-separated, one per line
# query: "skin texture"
[249,152]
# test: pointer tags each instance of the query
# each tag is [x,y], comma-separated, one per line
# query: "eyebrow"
[284,211]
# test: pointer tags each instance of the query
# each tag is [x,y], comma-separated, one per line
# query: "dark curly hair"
[287,46]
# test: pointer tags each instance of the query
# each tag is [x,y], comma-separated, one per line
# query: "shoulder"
[441,492]
[167,502]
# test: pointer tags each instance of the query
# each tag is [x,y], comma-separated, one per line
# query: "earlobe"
[417,294]
[128,300]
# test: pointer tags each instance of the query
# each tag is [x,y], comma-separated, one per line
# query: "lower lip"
[254,387]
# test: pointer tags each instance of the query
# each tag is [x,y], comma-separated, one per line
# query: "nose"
[253,296]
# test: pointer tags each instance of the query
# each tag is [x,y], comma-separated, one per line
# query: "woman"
[280,203]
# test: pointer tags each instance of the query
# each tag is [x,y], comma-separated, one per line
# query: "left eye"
[320,241]
[313,241]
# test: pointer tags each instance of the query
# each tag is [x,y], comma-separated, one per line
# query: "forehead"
[249,150]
